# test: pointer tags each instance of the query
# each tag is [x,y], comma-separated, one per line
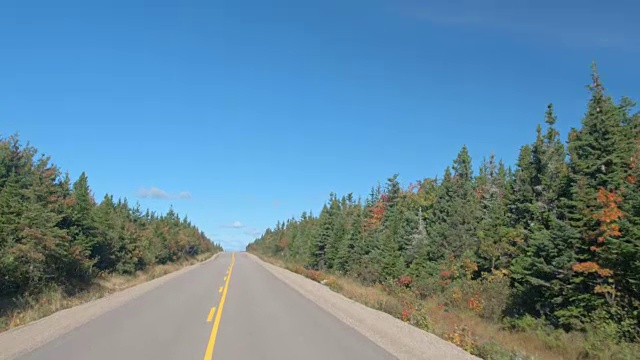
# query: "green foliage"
[52,232]
[550,243]
[493,351]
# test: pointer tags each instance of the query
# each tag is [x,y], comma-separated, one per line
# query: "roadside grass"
[15,312]
[523,339]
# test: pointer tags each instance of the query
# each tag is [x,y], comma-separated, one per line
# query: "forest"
[554,237]
[53,233]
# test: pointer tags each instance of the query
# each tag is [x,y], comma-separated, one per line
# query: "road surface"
[227,308]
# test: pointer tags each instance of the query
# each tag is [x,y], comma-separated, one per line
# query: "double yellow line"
[216,324]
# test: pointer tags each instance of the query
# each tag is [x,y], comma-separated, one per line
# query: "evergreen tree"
[564,230]
[495,246]
[321,239]
[52,233]
[463,216]
[598,171]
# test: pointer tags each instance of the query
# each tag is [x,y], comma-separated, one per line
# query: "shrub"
[552,338]
[603,340]
[404,281]
[525,323]
[462,337]
[391,306]
[491,350]
[487,296]
[495,294]
[425,286]
[333,284]
[420,318]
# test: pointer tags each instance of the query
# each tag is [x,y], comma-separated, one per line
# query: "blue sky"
[241,113]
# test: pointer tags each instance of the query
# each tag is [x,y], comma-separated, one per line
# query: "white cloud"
[157,193]
[253,232]
[537,21]
[235,225]
[184,195]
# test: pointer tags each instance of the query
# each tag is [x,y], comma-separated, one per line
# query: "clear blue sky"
[259,109]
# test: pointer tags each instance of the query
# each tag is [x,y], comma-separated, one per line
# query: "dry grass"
[479,336]
[17,312]
[373,297]
[534,344]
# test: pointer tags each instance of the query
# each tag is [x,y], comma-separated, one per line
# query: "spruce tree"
[463,216]
[598,170]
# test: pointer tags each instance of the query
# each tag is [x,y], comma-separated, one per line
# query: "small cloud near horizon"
[157,193]
[253,232]
[235,225]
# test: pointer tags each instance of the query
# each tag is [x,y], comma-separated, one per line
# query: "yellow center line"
[210,317]
[220,290]
[216,324]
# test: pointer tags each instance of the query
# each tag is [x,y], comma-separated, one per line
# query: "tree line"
[53,232]
[559,232]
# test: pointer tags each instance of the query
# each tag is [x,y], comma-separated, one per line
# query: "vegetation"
[550,246]
[55,238]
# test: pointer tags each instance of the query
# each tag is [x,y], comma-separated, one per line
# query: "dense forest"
[53,232]
[555,237]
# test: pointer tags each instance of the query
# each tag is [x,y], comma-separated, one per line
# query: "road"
[256,316]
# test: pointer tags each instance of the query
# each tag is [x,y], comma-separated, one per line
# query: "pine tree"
[495,246]
[463,216]
[337,233]
[321,239]
[546,241]
[598,165]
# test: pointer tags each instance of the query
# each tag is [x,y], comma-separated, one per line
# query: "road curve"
[257,315]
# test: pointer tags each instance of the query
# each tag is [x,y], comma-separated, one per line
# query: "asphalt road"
[256,316]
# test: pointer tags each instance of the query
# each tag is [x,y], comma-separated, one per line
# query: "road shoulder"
[398,338]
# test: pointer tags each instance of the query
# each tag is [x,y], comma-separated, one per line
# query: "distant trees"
[52,232]
[563,225]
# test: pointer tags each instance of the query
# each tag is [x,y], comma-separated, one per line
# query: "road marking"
[225,278]
[213,311]
[216,324]
[220,290]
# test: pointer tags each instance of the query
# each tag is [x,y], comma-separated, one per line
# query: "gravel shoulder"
[23,339]
[398,338]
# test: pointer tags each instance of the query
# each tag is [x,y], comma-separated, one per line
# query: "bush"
[551,337]
[462,337]
[333,284]
[526,323]
[487,297]
[420,318]
[391,306]
[425,286]
[495,294]
[603,340]
[491,350]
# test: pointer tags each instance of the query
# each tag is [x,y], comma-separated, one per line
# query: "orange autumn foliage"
[608,216]
[377,213]
[591,267]
[284,243]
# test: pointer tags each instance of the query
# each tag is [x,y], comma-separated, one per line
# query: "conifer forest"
[54,233]
[555,236]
